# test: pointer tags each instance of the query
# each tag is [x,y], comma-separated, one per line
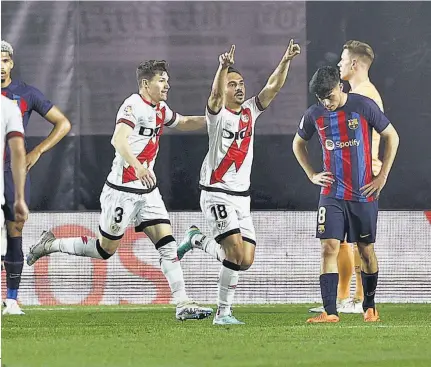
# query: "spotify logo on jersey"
[330,145]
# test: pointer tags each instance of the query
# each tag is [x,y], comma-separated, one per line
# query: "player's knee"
[245,265]
[249,250]
[247,261]
[366,251]
[330,249]
[167,247]
[235,251]
[108,246]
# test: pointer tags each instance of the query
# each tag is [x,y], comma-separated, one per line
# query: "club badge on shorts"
[221,225]
[115,228]
[321,228]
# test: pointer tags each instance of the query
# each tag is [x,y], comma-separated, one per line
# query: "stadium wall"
[83,55]
[286,269]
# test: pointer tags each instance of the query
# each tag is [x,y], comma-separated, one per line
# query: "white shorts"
[121,209]
[227,215]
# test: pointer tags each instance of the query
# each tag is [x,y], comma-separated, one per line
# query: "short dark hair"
[148,69]
[361,49]
[230,69]
[324,80]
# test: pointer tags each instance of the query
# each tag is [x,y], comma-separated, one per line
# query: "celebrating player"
[130,194]
[13,131]
[28,99]
[348,200]
[225,175]
[355,63]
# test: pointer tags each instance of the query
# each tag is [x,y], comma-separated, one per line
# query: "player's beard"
[240,99]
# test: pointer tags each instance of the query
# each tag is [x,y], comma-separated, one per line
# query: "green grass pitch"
[274,335]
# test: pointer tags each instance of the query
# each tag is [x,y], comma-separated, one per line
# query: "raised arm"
[278,77]
[216,98]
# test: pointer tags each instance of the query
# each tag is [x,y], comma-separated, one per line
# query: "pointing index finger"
[232,51]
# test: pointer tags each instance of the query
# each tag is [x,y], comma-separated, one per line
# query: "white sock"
[173,272]
[79,246]
[228,280]
[210,246]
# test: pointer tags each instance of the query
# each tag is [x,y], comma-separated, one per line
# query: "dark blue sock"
[328,287]
[13,263]
[12,293]
[369,282]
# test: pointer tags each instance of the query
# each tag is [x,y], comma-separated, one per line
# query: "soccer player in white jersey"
[130,194]
[12,130]
[225,175]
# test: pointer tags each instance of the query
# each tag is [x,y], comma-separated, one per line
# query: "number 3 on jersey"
[118,214]
[219,211]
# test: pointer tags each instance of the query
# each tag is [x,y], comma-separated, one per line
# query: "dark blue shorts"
[9,195]
[337,218]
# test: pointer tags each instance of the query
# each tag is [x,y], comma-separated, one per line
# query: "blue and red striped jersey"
[346,138]
[28,99]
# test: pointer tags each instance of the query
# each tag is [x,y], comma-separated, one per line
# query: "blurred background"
[83,56]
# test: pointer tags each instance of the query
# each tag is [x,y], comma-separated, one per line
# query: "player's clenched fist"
[20,210]
[146,177]
[227,59]
[292,50]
